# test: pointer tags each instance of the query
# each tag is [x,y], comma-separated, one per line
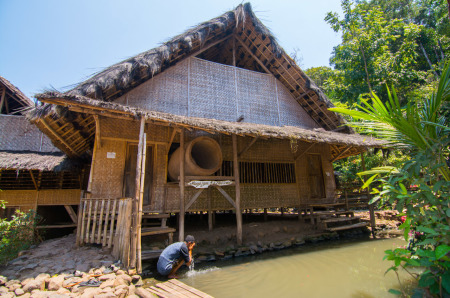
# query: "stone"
[55,283]
[143,293]
[71,281]
[14,286]
[285,229]
[26,295]
[105,295]
[120,281]
[4,290]
[131,289]
[35,284]
[83,267]
[133,296]
[219,253]
[107,283]
[3,280]
[90,292]
[125,277]
[119,272]
[8,295]
[107,277]
[19,292]
[135,278]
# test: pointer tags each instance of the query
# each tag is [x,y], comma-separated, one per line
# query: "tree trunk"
[428,59]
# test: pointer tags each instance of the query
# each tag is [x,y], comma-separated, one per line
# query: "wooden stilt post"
[181,214]
[265,214]
[238,191]
[371,206]
[210,213]
[135,209]
[141,203]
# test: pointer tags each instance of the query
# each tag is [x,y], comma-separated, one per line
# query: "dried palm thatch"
[12,99]
[242,23]
[27,160]
[211,125]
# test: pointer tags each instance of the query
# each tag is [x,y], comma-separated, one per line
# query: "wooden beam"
[304,151]
[97,132]
[253,55]
[171,140]
[208,47]
[227,196]
[141,203]
[182,181]
[58,137]
[194,198]
[342,153]
[247,147]
[34,180]
[72,214]
[135,204]
[2,102]
[238,191]
[210,213]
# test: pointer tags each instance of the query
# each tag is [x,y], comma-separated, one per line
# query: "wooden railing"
[106,222]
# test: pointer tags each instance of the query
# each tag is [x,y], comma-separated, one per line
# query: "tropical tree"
[420,188]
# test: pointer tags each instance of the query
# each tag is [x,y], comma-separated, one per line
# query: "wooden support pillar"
[371,206]
[265,214]
[210,212]
[182,181]
[141,203]
[3,99]
[282,211]
[135,204]
[238,191]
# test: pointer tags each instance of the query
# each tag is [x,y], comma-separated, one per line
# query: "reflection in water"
[337,270]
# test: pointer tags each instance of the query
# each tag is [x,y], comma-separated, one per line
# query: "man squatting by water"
[174,256]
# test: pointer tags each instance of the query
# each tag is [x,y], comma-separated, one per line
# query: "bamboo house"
[217,118]
[34,174]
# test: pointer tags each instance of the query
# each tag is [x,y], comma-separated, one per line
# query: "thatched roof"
[211,125]
[15,101]
[27,160]
[257,50]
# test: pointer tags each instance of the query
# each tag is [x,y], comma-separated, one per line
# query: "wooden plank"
[100,223]
[155,216]
[160,292]
[190,289]
[105,228]
[111,226]
[348,227]
[254,56]
[72,214]
[89,221]
[180,290]
[56,226]
[79,220]
[341,153]
[171,140]
[98,139]
[194,198]
[83,220]
[94,222]
[156,231]
[341,219]
[34,180]
[172,291]
[208,178]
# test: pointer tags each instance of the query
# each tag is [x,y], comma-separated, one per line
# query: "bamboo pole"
[371,206]
[83,220]
[238,191]
[94,222]
[135,209]
[89,220]
[210,222]
[100,222]
[182,180]
[105,229]
[111,228]
[141,202]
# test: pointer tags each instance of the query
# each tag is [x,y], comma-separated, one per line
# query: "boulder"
[19,292]
[107,277]
[3,280]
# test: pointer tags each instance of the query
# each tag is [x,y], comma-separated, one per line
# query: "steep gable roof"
[12,100]
[257,49]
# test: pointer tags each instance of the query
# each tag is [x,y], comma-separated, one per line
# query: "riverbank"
[46,270]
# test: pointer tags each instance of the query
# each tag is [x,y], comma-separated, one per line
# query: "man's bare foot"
[173,276]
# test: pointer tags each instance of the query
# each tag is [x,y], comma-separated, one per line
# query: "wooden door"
[130,173]
[315,173]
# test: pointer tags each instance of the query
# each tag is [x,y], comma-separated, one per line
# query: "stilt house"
[34,174]
[228,97]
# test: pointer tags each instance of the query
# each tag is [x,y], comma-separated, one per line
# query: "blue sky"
[58,43]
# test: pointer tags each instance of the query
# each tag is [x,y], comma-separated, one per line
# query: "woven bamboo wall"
[129,130]
[17,134]
[107,176]
[201,88]
[43,197]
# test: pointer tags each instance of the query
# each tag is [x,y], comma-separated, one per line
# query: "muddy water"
[352,269]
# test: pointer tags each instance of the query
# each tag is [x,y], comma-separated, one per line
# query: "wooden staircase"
[334,219]
[155,224]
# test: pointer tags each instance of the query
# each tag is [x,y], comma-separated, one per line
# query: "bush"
[16,234]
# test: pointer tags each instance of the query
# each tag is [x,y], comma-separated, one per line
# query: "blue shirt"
[170,255]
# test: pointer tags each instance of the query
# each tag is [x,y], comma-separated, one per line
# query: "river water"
[351,269]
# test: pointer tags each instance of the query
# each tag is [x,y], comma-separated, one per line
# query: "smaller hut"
[34,174]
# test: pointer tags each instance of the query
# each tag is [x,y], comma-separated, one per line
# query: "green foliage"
[16,234]
[420,188]
[400,43]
